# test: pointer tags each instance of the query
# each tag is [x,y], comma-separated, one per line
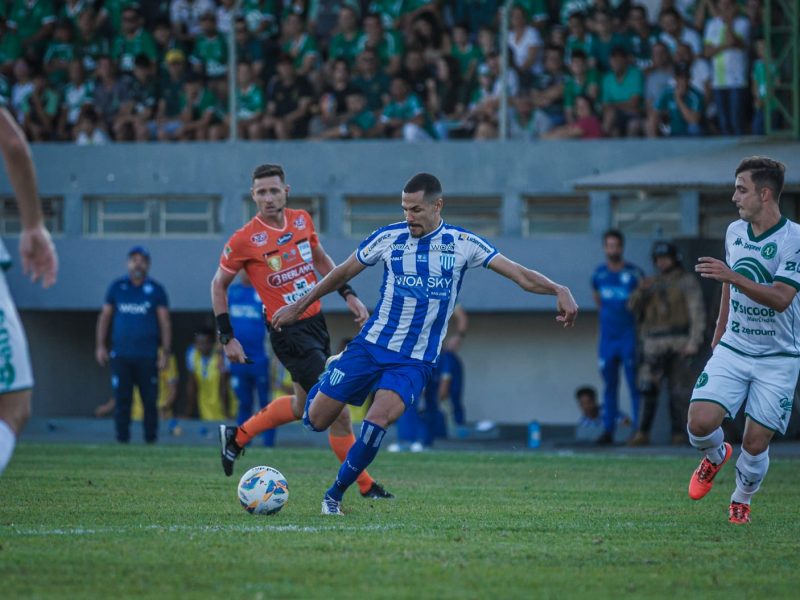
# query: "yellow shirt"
[166,378]
[208,373]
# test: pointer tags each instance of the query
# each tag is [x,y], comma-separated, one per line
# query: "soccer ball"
[263,491]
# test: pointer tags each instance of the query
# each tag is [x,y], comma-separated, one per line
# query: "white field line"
[79,531]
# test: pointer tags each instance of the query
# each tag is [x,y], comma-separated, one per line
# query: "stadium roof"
[712,169]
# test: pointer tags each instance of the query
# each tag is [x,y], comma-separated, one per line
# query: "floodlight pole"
[504,14]
[232,120]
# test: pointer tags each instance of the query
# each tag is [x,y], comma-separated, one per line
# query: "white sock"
[750,472]
[713,445]
[7,442]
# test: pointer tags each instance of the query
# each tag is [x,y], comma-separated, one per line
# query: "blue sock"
[358,458]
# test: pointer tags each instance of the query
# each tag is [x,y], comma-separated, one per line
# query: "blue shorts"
[364,367]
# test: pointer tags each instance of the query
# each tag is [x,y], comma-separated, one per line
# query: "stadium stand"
[117,70]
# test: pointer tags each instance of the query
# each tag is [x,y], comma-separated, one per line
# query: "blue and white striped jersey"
[421,281]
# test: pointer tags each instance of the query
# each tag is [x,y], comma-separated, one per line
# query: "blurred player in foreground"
[40,262]
[279,249]
[424,263]
[755,360]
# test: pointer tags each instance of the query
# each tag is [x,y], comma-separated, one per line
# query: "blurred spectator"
[33,21]
[640,37]
[579,38]
[591,427]
[466,53]
[250,50]
[208,393]
[91,43]
[372,81]
[250,104]
[333,102]
[226,15]
[447,97]
[166,125]
[110,17]
[754,11]
[72,10]
[605,40]
[520,119]
[659,77]
[60,51]
[585,125]
[324,17]
[679,110]
[162,36]
[89,131]
[674,31]
[388,45]
[290,98]
[486,130]
[475,14]
[300,46]
[210,55]
[185,16]
[40,110]
[132,41]
[525,45]
[764,104]
[139,102]
[482,102]
[548,93]
[726,44]
[10,48]
[699,71]
[426,34]
[261,18]
[487,41]
[77,96]
[416,72]
[671,318]
[22,88]
[581,80]
[108,92]
[200,111]
[621,96]
[404,117]
[357,123]
[344,44]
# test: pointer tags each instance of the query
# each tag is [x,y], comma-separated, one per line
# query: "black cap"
[664,248]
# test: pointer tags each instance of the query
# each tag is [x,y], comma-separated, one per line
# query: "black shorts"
[303,348]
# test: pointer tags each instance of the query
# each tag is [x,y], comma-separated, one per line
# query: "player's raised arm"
[536,283]
[334,280]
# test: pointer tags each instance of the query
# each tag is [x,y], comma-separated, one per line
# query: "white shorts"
[15,364]
[767,384]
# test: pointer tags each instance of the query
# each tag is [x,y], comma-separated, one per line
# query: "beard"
[614,258]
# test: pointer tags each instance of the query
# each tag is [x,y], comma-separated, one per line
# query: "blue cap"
[139,250]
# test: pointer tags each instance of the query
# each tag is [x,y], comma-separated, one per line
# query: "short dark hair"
[765,172]
[426,183]
[586,390]
[578,53]
[205,332]
[615,233]
[268,170]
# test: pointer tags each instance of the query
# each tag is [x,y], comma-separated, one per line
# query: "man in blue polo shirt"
[140,342]
[613,283]
[247,318]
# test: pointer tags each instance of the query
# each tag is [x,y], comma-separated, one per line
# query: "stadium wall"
[520,364]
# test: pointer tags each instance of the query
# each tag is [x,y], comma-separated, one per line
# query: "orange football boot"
[703,477]
[739,513]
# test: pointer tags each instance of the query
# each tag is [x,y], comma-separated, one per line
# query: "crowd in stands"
[95,71]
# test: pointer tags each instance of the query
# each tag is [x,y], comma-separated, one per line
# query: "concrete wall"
[520,364]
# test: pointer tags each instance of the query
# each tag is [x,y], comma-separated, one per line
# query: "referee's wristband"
[224,324]
[346,291]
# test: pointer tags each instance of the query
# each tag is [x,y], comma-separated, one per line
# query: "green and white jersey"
[774,256]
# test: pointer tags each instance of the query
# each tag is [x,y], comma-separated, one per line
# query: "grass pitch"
[164,522]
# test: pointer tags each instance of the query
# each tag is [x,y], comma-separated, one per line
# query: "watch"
[224,338]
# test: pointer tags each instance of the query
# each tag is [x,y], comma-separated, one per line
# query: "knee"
[700,426]
[16,412]
[754,446]
[298,405]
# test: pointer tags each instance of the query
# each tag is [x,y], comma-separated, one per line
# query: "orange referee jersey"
[278,261]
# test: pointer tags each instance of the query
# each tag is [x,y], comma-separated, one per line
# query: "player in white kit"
[757,340]
[40,262]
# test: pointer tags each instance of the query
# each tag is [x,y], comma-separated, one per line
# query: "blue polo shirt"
[247,319]
[135,332]
[614,289]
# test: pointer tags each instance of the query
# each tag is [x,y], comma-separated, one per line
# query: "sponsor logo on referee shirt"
[274,263]
[300,223]
[260,238]
[283,277]
[285,238]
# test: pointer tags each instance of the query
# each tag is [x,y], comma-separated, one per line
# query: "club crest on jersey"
[260,238]
[336,376]
[300,223]
[285,238]
[274,262]
[448,261]
[770,250]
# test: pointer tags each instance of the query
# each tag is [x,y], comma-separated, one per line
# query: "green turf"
[105,521]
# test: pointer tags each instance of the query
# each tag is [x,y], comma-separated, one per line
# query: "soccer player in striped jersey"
[425,260]
[757,340]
